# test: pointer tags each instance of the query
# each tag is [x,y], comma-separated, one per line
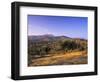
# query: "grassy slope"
[69,58]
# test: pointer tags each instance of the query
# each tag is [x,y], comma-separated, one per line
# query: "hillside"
[46,37]
[43,48]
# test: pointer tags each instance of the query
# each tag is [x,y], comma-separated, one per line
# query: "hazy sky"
[75,27]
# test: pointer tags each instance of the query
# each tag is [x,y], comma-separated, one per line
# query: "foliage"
[43,48]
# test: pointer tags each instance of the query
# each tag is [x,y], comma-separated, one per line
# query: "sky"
[74,27]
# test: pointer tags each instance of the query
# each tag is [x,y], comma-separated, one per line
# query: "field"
[49,50]
[62,59]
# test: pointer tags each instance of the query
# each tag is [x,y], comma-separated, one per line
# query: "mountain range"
[46,37]
[50,37]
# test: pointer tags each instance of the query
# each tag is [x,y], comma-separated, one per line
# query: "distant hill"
[50,37]
[46,37]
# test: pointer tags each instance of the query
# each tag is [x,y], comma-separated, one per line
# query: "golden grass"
[69,58]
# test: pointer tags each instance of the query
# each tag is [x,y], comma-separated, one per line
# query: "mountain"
[46,37]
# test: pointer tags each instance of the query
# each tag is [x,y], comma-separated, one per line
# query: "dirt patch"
[71,58]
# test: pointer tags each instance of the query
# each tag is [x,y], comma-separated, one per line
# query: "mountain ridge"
[49,37]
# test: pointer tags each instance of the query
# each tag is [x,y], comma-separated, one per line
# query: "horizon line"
[59,35]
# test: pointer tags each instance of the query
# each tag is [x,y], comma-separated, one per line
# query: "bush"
[72,45]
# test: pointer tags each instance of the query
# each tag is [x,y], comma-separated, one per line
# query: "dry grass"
[69,58]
